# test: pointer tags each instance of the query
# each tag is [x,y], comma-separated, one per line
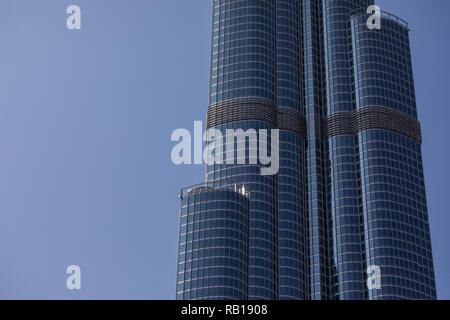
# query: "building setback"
[349,195]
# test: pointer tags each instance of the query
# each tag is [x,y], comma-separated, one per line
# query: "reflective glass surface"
[213,246]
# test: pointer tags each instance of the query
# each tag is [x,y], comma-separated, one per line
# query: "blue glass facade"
[291,180]
[244,66]
[213,243]
[243,50]
[313,71]
[382,65]
[345,248]
[349,194]
[394,208]
[292,223]
[262,220]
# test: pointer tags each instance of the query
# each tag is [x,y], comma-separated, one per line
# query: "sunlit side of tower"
[349,195]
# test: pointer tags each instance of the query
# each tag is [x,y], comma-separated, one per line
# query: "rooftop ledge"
[215,185]
[384,14]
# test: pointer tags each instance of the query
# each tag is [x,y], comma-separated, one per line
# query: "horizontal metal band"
[291,120]
[240,110]
[337,124]
[371,118]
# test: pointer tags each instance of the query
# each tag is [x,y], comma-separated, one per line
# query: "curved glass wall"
[243,67]
[292,240]
[396,229]
[289,55]
[213,243]
[291,186]
[262,220]
[345,252]
[243,57]
[382,65]
[337,50]
[318,279]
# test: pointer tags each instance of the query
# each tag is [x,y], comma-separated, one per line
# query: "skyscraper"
[349,195]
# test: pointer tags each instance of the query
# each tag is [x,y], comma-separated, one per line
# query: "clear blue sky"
[85,124]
